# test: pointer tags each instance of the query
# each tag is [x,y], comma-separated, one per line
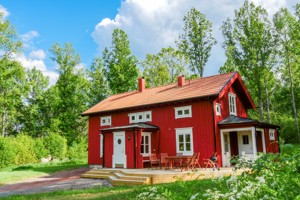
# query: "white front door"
[119,156]
[245,144]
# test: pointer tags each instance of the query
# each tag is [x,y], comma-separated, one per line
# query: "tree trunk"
[267,100]
[293,96]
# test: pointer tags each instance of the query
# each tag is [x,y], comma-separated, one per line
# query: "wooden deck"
[147,176]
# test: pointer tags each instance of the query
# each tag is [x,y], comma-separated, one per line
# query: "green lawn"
[15,174]
[178,190]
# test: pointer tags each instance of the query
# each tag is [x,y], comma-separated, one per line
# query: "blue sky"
[88,24]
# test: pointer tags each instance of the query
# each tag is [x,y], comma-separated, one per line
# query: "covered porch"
[244,137]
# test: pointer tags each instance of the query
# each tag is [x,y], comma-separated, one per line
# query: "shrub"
[7,151]
[272,176]
[24,147]
[40,149]
[56,145]
[78,150]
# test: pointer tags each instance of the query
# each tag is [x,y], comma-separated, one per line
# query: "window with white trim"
[140,117]
[105,121]
[183,112]
[146,144]
[232,103]
[218,109]
[272,134]
[184,141]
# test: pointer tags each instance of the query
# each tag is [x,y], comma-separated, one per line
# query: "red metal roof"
[202,87]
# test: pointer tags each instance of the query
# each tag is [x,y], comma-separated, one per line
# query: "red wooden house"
[204,115]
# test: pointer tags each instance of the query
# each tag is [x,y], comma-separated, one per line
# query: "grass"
[178,190]
[19,173]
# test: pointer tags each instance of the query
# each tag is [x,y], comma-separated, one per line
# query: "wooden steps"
[118,177]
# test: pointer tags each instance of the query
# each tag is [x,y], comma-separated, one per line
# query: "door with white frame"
[226,153]
[245,144]
[119,156]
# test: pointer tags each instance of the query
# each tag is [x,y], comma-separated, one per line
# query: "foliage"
[24,148]
[164,67]
[78,150]
[99,89]
[249,45]
[121,65]
[72,87]
[272,176]
[56,145]
[40,149]
[7,152]
[197,41]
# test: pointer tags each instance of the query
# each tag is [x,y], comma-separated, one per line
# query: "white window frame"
[146,134]
[138,115]
[218,109]
[183,108]
[272,134]
[232,105]
[145,116]
[184,131]
[130,116]
[107,121]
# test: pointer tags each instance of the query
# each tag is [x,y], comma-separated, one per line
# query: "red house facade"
[205,115]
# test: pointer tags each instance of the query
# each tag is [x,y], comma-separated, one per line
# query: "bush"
[7,151]
[78,150]
[24,147]
[272,176]
[56,145]
[40,149]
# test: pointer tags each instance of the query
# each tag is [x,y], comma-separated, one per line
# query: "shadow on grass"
[50,168]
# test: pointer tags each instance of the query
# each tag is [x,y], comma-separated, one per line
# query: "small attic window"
[183,112]
[105,121]
[218,109]
[272,134]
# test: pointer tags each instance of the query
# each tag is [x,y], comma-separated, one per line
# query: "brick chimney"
[142,84]
[181,81]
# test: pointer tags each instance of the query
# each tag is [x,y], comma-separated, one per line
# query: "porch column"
[254,142]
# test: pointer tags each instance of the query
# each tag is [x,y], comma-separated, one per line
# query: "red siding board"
[94,141]
[108,149]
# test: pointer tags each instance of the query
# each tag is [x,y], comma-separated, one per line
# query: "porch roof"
[135,126]
[233,121]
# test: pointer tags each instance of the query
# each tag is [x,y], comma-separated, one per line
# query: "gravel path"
[66,180]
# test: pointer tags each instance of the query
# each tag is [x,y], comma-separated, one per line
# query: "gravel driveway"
[66,180]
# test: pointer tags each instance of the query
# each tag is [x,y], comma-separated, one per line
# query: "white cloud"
[153,24]
[37,54]
[4,11]
[27,37]
[30,63]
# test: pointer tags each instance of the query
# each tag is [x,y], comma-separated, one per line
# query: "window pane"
[180,138]
[140,116]
[181,147]
[245,139]
[187,138]
[132,117]
[146,139]
[187,112]
[188,146]
[146,148]
[142,148]
[148,116]
[179,112]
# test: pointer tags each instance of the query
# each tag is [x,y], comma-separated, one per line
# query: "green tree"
[99,89]
[288,37]
[164,67]
[197,40]
[249,45]
[33,120]
[121,65]
[11,78]
[72,87]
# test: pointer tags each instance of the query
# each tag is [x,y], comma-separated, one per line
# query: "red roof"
[202,87]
